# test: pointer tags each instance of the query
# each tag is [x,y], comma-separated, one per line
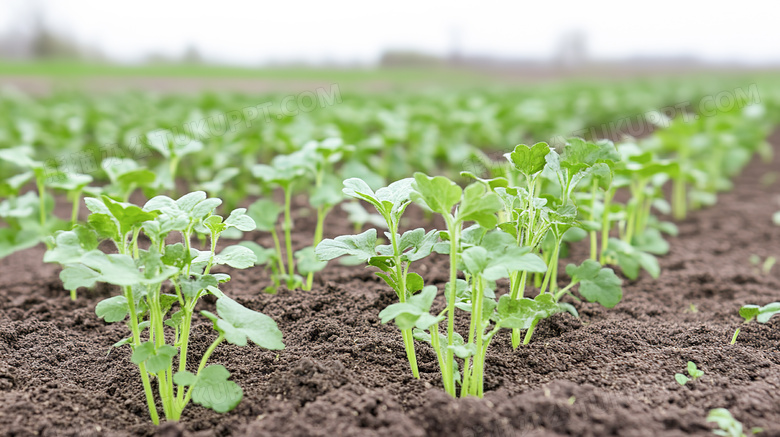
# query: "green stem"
[74,214]
[517,294]
[436,344]
[141,367]
[734,338]
[280,258]
[202,365]
[552,269]
[400,274]
[42,203]
[606,224]
[288,232]
[184,343]
[594,248]
[454,233]
[322,212]
[476,312]
[530,332]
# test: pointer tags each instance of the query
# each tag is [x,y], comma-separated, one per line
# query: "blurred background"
[256,46]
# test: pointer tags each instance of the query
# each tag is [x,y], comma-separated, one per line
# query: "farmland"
[505,260]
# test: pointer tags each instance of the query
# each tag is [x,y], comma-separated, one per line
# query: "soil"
[611,372]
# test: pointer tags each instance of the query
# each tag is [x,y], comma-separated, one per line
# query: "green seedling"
[173,150]
[542,220]
[160,323]
[265,213]
[359,217]
[760,314]
[283,173]
[693,372]
[325,195]
[393,260]
[21,156]
[125,176]
[727,424]
[762,267]
[440,195]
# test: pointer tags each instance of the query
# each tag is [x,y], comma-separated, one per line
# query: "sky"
[350,31]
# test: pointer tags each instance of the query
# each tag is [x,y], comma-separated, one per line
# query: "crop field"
[570,258]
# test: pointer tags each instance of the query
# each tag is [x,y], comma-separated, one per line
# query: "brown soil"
[343,373]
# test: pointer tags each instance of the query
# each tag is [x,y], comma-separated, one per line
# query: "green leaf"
[529,160]
[12,240]
[437,194]
[307,262]
[70,246]
[521,313]
[236,256]
[264,255]
[414,312]
[749,312]
[265,214]
[694,371]
[361,246]
[240,220]
[767,311]
[156,359]
[104,225]
[127,215]
[479,206]
[238,323]
[212,389]
[388,201]
[71,182]
[681,379]
[191,286]
[77,275]
[597,284]
[113,309]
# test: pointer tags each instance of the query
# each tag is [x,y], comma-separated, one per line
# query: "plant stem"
[594,248]
[202,365]
[184,343]
[530,332]
[288,232]
[454,233]
[436,344]
[734,338]
[400,274]
[476,312]
[605,224]
[74,215]
[517,294]
[42,203]
[141,367]
[278,245]
[322,212]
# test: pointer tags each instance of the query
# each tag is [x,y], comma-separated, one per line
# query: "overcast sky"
[351,31]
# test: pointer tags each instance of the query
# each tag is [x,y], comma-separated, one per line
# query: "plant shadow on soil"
[343,373]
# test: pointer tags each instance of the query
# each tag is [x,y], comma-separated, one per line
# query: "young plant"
[160,322]
[325,195]
[693,372]
[283,173]
[757,313]
[125,176]
[21,156]
[393,260]
[173,150]
[764,267]
[542,220]
[441,196]
[265,213]
[359,217]
[727,424]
